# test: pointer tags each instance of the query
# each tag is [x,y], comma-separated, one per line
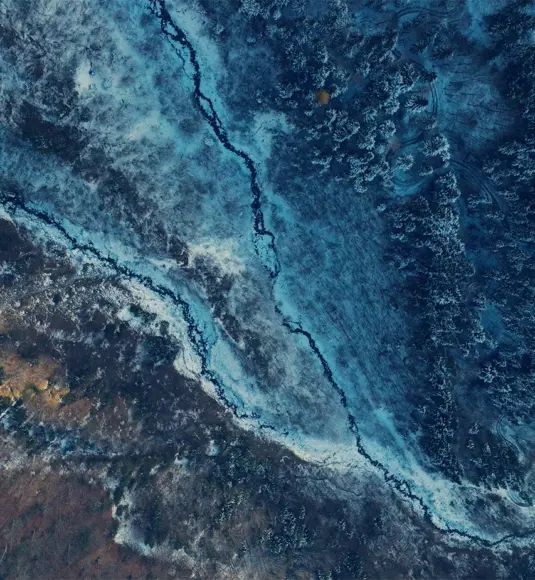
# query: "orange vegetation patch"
[23,379]
[58,526]
[41,386]
[323,97]
[111,421]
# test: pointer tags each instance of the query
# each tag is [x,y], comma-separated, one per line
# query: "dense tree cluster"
[465,260]
[468,265]
[449,291]
[429,253]
[370,89]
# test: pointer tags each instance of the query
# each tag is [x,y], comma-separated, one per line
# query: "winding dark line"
[16,203]
[417,10]
[414,183]
[412,140]
[174,34]
[488,189]
[479,179]
[434,99]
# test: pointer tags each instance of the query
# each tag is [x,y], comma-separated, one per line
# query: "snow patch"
[223,253]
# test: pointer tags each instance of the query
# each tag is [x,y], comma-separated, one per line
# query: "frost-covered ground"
[127,141]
